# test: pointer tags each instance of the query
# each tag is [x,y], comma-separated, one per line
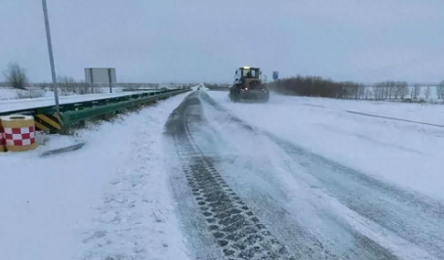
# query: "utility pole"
[110,81]
[51,57]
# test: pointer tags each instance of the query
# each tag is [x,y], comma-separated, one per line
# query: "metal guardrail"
[71,113]
[83,104]
[71,117]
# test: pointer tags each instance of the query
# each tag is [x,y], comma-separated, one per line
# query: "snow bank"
[406,154]
[28,103]
[8,93]
[109,199]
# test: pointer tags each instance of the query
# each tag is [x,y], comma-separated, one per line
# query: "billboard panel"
[275,75]
[100,75]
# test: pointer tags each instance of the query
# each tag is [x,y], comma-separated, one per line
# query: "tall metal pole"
[51,57]
[110,81]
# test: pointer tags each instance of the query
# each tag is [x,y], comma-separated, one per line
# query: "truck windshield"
[250,73]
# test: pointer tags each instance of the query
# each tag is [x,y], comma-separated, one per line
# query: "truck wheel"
[236,96]
[232,98]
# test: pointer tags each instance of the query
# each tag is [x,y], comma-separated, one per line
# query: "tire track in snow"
[412,217]
[235,228]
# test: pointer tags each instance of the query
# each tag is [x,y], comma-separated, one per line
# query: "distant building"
[275,75]
[100,75]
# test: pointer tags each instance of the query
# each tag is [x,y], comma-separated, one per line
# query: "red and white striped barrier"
[2,139]
[19,132]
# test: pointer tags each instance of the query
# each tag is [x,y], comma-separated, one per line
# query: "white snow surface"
[8,93]
[109,199]
[408,155]
[28,103]
[112,198]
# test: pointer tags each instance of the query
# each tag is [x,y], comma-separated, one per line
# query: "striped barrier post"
[48,122]
[2,139]
[19,133]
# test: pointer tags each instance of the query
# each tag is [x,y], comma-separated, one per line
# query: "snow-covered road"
[246,193]
[408,155]
[199,177]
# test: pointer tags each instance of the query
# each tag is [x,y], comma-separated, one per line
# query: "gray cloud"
[159,41]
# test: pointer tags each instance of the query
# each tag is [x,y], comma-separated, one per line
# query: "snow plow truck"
[248,86]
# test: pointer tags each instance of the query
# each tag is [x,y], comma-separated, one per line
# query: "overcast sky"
[161,41]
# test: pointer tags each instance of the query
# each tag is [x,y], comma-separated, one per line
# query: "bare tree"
[440,90]
[66,85]
[390,89]
[427,92]
[405,89]
[387,89]
[16,76]
[377,91]
[367,93]
[69,86]
[400,89]
[416,91]
[361,91]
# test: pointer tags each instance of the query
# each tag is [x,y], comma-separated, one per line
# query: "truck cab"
[248,85]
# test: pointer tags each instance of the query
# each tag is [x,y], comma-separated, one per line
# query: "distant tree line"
[313,86]
[391,90]
[16,77]
[68,85]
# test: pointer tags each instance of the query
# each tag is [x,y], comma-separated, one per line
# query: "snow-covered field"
[109,199]
[9,93]
[406,154]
